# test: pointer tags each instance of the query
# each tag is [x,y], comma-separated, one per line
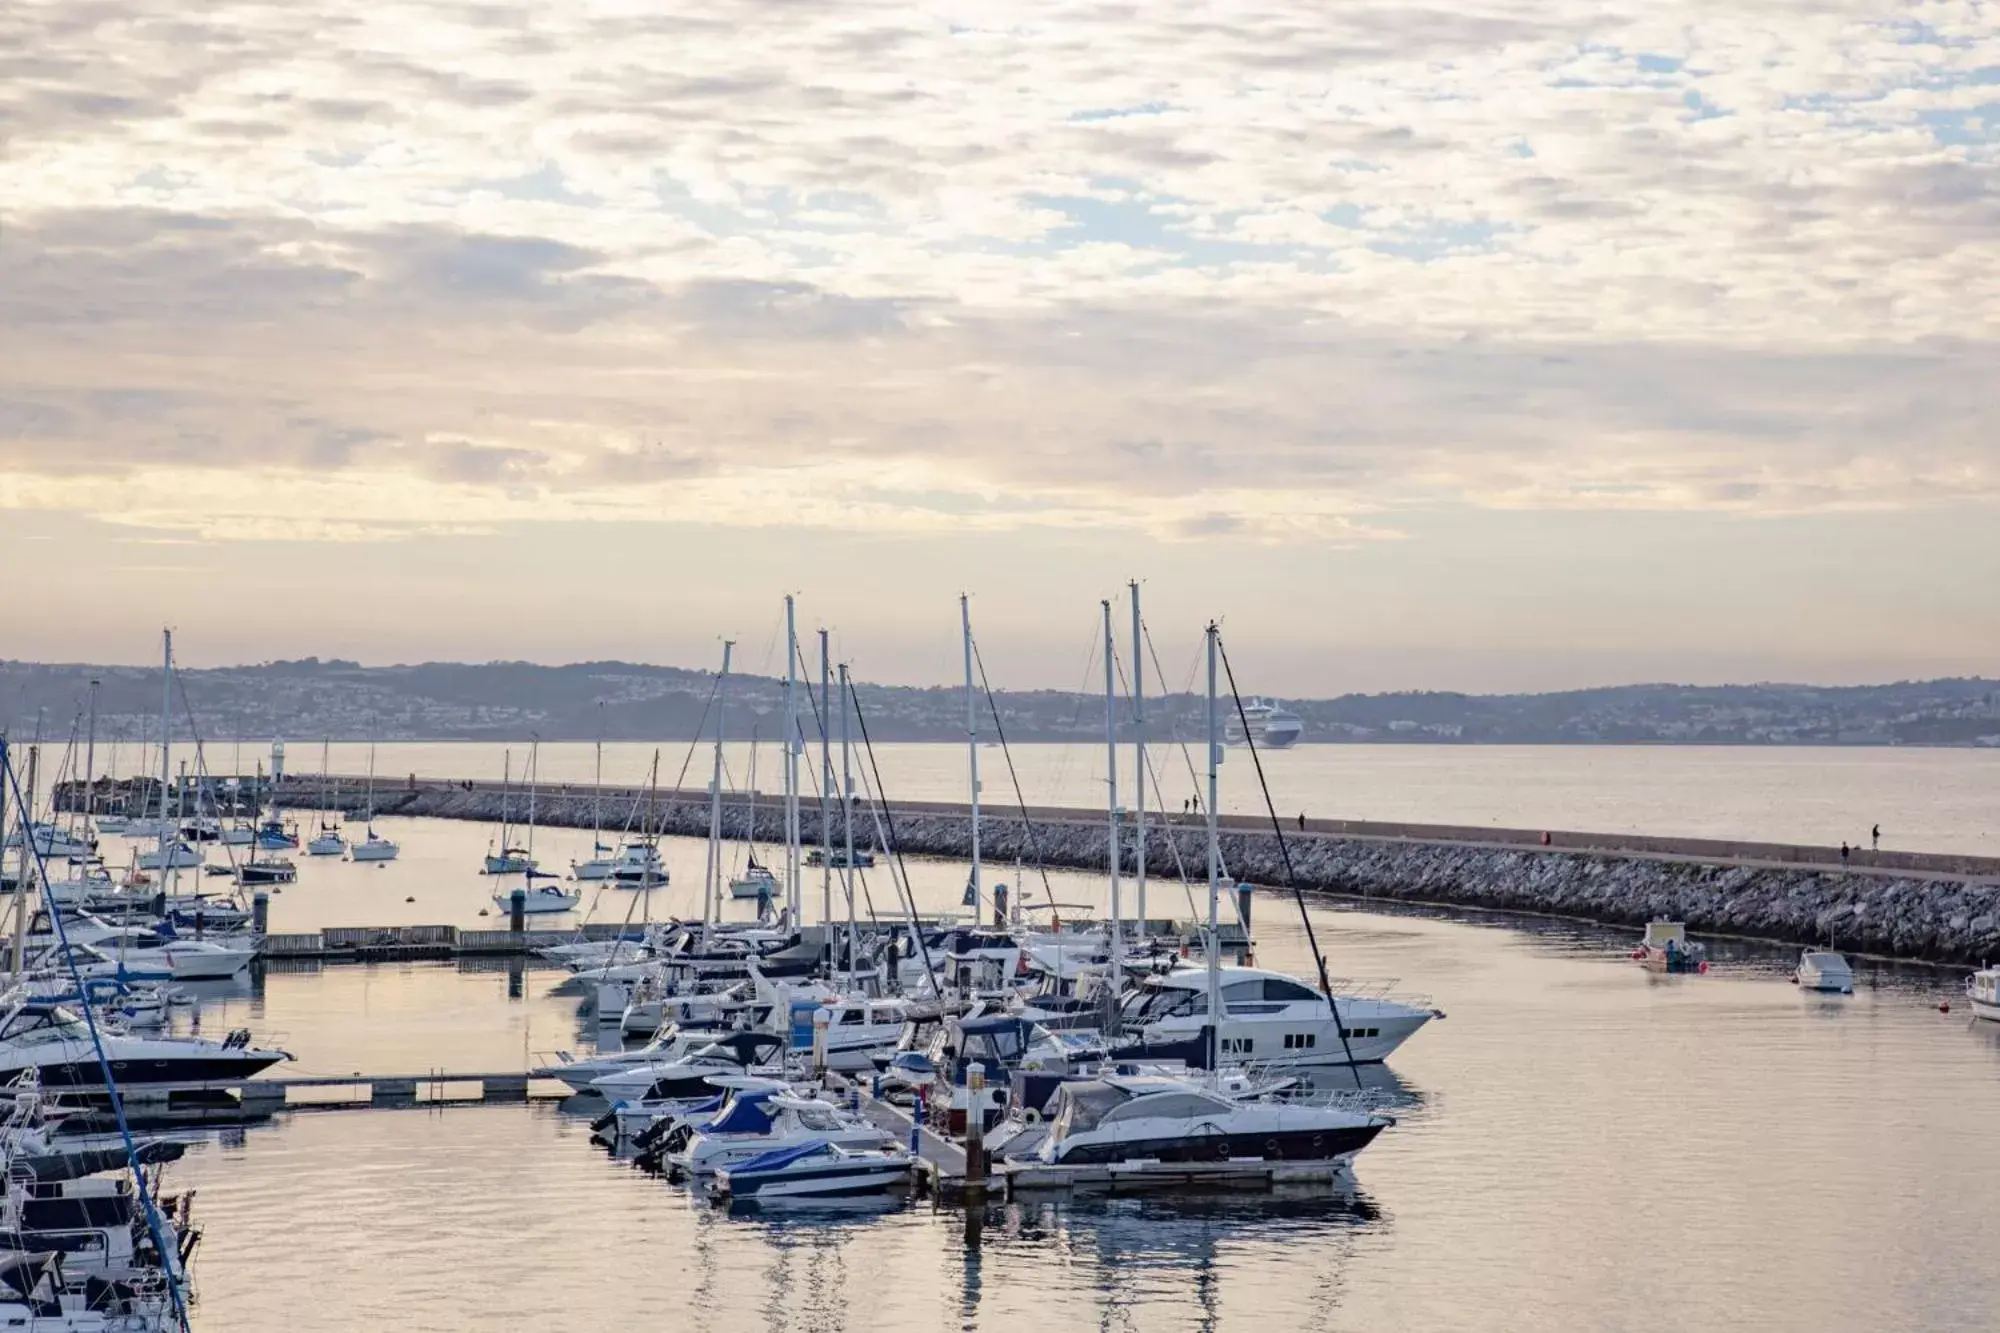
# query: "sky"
[1489,346]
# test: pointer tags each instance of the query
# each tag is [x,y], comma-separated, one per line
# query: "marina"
[971,1015]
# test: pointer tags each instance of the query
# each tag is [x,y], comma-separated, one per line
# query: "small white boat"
[639,866]
[236,835]
[1824,970]
[50,841]
[540,900]
[111,823]
[756,883]
[1982,992]
[205,960]
[512,861]
[817,1171]
[1666,948]
[599,867]
[174,856]
[327,843]
[373,848]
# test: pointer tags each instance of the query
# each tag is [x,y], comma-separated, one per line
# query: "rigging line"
[1285,851]
[1174,738]
[1173,844]
[169,1255]
[1014,777]
[895,847]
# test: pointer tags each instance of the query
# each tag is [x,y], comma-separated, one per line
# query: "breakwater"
[1904,904]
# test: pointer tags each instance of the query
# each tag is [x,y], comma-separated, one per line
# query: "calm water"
[1581,1145]
[1925,800]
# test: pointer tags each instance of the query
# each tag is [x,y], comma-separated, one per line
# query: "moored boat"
[1826,971]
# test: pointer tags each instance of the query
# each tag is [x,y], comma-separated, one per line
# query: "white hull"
[591,870]
[1986,1009]
[753,889]
[847,1182]
[328,846]
[380,849]
[174,858]
[540,902]
[205,964]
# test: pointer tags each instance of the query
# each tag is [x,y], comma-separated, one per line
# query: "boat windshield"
[1083,1106]
[1165,1002]
[34,1026]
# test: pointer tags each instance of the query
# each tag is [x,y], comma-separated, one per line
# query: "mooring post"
[975,1134]
[260,912]
[517,911]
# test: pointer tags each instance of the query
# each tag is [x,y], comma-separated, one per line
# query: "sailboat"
[170,852]
[756,883]
[510,860]
[327,842]
[600,865]
[539,899]
[374,847]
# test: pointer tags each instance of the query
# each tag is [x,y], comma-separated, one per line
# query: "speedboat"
[48,840]
[1982,992]
[752,1129]
[54,1042]
[1666,948]
[671,1044]
[205,960]
[822,1170]
[734,1053]
[1269,1019]
[1154,1119]
[540,899]
[1824,970]
[374,847]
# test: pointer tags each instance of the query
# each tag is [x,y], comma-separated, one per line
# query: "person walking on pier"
[1875,839]
[1843,854]
[1302,821]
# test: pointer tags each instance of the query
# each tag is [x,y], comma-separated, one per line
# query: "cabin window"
[1280,988]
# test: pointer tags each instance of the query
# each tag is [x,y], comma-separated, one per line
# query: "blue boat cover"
[779,1159]
[745,1115]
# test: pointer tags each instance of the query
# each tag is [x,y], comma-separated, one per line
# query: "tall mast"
[534,778]
[847,815]
[1139,746]
[1214,871]
[1111,779]
[972,747]
[826,793]
[597,791]
[506,784]
[793,742]
[90,764]
[715,797]
[166,730]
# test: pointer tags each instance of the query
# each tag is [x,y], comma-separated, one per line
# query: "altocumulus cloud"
[1203,270]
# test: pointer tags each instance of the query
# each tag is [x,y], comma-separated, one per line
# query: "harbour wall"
[1935,907]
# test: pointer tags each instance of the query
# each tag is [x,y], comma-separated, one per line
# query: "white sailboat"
[374,847]
[327,842]
[756,883]
[601,864]
[538,899]
[509,860]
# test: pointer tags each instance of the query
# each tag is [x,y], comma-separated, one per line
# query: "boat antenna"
[169,1255]
[1285,851]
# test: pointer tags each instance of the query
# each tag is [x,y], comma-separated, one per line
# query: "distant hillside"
[626,701]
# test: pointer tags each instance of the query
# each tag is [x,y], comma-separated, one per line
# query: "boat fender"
[1222,1150]
[1944,1006]
[1031,1116]
[1702,970]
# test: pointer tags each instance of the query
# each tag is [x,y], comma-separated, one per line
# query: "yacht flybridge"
[1268,1018]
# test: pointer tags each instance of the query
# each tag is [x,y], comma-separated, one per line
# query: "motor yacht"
[54,1042]
[1119,1120]
[736,1053]
[639,867]
[1666,948]
[1982,992]
[749,1129]
[1824,970]
[1273,1020]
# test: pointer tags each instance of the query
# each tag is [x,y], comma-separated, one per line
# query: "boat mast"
[715,798]
[1111,783]
[972,748]
[793,743]
[90,764]
[1214,871]
[166,731]
[1139,748]
[826,795]
[506,783]
[847,817]
[597,791]
[534,781]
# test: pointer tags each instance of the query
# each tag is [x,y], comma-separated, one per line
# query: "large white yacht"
[1269,1019]
[1160,1120]
[52,1040]
[1270,726]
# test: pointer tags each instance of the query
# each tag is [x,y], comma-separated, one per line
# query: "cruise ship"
[1270,726]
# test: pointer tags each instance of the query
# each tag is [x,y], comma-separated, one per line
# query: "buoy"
[1702,970]
[409,900]
[1944,1006]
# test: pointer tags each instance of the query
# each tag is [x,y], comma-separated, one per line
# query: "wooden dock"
[366,944]
[940,1162]
[259,1098]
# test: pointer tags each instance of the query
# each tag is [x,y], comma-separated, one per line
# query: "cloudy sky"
[1492,345]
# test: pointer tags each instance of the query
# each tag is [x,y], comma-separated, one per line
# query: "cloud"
[1202,273]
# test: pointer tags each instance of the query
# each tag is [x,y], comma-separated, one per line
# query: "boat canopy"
[745,1114]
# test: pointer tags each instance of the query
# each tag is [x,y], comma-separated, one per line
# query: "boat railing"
[1377,988]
